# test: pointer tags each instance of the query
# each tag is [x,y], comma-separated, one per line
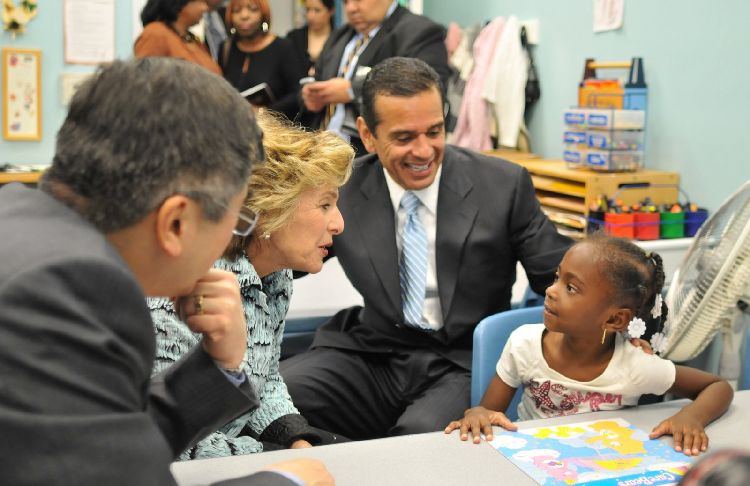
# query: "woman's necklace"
[186,37]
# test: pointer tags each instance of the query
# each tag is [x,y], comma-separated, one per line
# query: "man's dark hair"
[140,131]
[396,76]
[162,10]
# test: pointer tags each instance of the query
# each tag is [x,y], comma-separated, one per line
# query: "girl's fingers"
[704,441]
[487,432]
[475,431]
[687,441]
[464,430]
[659,430]
[452,426]
[678,440]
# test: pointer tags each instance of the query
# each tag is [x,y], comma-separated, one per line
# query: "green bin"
[672,225]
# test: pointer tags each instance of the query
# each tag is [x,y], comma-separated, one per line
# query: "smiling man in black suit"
[434,233]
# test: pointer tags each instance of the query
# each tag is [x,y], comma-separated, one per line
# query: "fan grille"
[711,279]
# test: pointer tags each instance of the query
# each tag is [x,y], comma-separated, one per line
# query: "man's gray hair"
[140,131]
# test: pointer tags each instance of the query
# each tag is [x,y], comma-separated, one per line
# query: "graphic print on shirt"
[555,399]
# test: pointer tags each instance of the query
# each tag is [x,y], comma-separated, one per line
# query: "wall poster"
[22,99]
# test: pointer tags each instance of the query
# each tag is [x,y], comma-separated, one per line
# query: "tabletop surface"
[440,459]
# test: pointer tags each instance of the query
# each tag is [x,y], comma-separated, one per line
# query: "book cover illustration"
[600,452]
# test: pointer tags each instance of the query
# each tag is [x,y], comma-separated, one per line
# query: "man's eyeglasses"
[246,221]
[246,217]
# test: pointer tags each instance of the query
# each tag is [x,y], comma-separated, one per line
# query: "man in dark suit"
[429,227]
[376,30]
[143,195]
[213,27]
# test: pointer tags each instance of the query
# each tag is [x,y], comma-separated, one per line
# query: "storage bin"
[604,119]
[672,225]
[574,157]
[647,226]
[614,160]
[620,224]
[575,138]
[694,220]
[575,117]
[595,221]
[616,119]
[614,139]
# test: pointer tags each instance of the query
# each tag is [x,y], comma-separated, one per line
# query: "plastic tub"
[614,160]
[694,220]
[615,139]
[647,226]
[620,224]
[672,225]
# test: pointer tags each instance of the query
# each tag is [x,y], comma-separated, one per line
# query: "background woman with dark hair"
[165,32]
[253,55]
[309,39]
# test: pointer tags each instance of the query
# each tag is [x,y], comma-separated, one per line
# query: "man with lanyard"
[376,30]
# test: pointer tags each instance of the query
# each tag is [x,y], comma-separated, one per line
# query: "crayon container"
[595,221]
[694,220]
[647,226]
[672,225]
[620,224]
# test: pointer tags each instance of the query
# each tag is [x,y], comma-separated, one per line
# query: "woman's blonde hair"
[296,160]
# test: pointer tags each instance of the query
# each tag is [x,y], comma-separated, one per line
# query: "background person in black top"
[253,55]
[310,38]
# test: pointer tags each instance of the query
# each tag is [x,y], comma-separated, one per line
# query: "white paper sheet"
[608,14]
[89,31]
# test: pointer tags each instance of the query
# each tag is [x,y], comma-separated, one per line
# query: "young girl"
[579,360]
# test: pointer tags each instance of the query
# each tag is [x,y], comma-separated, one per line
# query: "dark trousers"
[367,395]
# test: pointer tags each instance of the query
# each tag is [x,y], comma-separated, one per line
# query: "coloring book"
[601,452]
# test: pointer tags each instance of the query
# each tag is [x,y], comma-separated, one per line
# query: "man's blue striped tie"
[413,268]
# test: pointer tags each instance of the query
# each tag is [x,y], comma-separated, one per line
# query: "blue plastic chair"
[490,337]
[299,333]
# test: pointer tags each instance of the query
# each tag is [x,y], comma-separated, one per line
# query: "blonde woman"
[293,196]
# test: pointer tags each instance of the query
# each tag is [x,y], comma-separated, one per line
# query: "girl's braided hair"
[635,278]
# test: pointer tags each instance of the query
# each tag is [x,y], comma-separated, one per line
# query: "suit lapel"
[377,225]
[455,217]
[331,66]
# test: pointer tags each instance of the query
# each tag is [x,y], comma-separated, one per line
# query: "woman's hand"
[479,420]
[686,429]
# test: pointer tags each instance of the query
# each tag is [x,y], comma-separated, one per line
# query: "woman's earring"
[232,31]
[266,235]
[264,27]
[604,335]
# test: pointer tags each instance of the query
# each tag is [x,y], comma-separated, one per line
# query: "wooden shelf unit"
[567,194]
[30,178]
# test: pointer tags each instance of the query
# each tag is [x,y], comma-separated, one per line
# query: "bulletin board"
[22,99]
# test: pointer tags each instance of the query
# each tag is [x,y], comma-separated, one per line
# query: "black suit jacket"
[77,406]
[402,34]
[488,219]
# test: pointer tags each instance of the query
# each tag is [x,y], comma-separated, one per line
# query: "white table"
[439,459]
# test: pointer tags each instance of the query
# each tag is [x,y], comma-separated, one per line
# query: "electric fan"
[712,284]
